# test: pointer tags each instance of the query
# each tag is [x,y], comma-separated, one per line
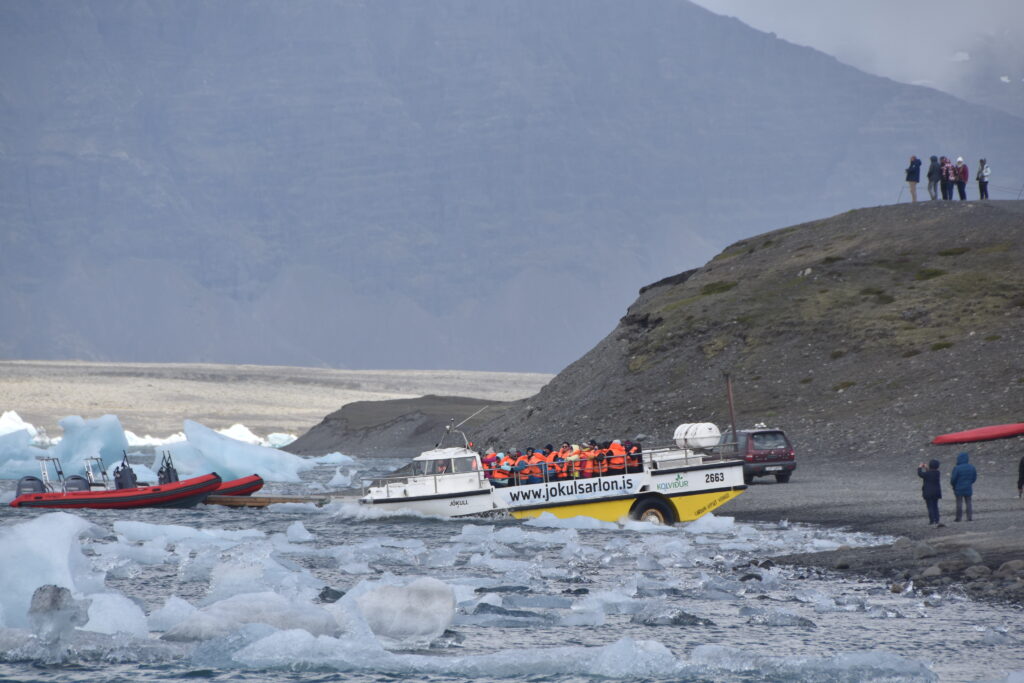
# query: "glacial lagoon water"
[219,593]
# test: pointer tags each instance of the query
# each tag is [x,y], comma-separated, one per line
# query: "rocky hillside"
[861,334]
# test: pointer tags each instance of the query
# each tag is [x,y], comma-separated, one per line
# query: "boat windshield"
[445,466]
[463,465]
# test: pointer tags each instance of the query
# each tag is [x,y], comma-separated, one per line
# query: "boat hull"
[245,486]
[981,434]
[179,494]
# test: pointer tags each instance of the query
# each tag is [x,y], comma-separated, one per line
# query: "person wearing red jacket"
[962,174]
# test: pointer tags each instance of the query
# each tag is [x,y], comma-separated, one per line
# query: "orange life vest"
[500,473]
[616,457]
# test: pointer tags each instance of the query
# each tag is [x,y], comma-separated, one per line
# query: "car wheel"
[783,478]
[748,478]
[655,511]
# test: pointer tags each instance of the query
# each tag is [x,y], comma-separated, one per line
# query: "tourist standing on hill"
[931,489]
[946,170]
[962,478]
[983,173]
[1020,478]
[962,174]
[913,177]
[934,176]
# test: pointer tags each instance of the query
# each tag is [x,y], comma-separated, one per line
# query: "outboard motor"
[124,476]
[30,484]
[76,482]
[167,474]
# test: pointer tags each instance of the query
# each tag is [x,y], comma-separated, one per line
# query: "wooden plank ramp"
[264,501]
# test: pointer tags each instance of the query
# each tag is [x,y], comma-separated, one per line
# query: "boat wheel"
[655,511]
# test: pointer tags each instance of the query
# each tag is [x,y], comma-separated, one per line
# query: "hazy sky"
[925,42]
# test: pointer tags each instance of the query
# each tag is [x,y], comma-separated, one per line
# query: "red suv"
[765,452]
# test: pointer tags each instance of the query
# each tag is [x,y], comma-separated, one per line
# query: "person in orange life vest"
[616,459]
[535,470]
[587,466]
[503,470]
[521,463]
[558,468]
[571,460]
[601,458]
[634,457]
[489,462]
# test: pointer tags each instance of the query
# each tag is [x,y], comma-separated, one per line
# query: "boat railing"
[389,485]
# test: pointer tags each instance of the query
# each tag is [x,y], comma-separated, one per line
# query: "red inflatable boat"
[982,434]
[178,494]
[240,487]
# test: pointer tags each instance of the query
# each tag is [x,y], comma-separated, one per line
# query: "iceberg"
[43,551]
[417,612]
[207,450]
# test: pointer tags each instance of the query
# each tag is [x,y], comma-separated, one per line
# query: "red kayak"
[982,434]
[178,494]
[240,487]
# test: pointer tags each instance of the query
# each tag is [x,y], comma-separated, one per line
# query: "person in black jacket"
[934,176]
[913,177]
[1020,478]
[931,490]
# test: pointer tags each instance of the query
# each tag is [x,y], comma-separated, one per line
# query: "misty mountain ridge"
[474,185]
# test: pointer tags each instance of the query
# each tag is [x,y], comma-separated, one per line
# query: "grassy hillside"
[868,331]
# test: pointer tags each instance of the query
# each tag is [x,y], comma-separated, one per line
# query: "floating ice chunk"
[207,450]
[18,455]
[137,532]
[775,617]
[101,437]
[278,439]
[657,614]
[855,666]
[139,441]
[53,613]
[218,652]
[112,613]
[250,567]
[548,520]
[42,551]
[297,533]
[174,612]
[417,612]
[10,422]
[582,617]
[538,601]
[294,649]
[240,432]
[341,480]
[535,539]
[334,459]
[272,609]
[610,602]
[710,524]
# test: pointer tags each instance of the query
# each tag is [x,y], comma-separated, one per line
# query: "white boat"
[666,485]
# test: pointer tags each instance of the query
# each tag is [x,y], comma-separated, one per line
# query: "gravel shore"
[984,556]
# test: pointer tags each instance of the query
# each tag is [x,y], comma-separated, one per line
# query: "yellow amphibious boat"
[665,485]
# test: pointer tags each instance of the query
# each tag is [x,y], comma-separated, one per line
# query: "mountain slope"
[867,332]
[410,184]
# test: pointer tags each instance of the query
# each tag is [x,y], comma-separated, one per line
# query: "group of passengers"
[515,467]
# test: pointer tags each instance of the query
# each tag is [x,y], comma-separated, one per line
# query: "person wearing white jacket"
[982,177]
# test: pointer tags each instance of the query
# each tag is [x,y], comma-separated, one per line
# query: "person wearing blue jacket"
[931,489]
[962,478]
